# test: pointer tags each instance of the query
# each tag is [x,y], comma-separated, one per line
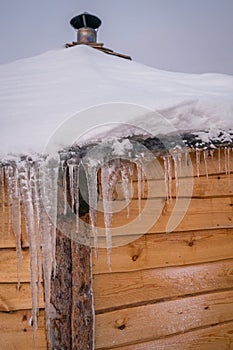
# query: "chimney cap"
[85,20]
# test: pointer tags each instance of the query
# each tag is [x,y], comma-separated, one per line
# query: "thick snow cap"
[40,95]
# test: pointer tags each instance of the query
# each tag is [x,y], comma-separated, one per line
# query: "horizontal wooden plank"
[149,251]
[16,332]
[130,288]
[144,323]
[12,299]
[8,266]
[7,237]
[172,249]
[214,186]
[218,337]
[8,240]
[158,215]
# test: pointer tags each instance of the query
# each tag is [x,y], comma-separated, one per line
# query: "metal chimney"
[86,26]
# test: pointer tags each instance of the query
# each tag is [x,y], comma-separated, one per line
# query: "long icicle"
[91,175]
[175,162]
[34,184]
[125,186]
[64,185]
[169,171]
[16,217]
[205,153]
[30,227]
[50,196]
[219,159]
[9,200]
[109,177]
[76,196]
[166,177]
[139,179]
[71,177]
[198,162]
[47,238]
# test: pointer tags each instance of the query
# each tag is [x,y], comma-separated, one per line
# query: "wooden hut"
[165,281]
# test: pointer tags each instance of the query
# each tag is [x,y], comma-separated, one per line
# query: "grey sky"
[178,35]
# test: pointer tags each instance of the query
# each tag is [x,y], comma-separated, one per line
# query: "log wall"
[163,291]
[170,290]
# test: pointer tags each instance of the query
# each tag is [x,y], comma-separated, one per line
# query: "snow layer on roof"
[39,95]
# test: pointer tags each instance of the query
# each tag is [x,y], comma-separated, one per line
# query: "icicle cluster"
[30,189]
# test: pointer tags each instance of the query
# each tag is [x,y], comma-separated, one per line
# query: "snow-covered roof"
[39,95]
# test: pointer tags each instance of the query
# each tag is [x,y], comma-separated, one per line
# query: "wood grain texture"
[150,251]
[8,266]
[218,184]
[150,322]
[218,337]
[82,317]
[163,250]
[157,215]
[213,186]
[61,295]
[121,290]
[12,299]
[16,332]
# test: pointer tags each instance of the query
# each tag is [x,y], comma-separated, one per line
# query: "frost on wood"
[29,193]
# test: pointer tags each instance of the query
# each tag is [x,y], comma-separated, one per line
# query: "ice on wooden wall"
[29,193]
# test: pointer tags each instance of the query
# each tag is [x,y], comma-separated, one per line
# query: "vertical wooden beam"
[72,325]
[61,296]
[82,320]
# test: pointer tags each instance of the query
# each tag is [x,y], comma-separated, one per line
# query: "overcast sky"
[177,35]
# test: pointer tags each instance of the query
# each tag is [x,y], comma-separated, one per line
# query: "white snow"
[38,95]
[79,94]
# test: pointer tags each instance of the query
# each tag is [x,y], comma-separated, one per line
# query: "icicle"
[46,238]
[139,178]
[91,175]
[2,199]
[212,154]
[198,162]
[107,208]
[174,157]
[169,171]
[166,177]
[76,196]
[205,154]
[143,183]
[186,157]
[228,161]
[219,159]
[16,216]
[34,185]
[108,182]
[32,239]
[9,200]
[125,186]
[71,177]
[48,199]
[50,179]
[64,185]
[130,174]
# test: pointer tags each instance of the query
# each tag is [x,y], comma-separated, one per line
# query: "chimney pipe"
[86,26]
